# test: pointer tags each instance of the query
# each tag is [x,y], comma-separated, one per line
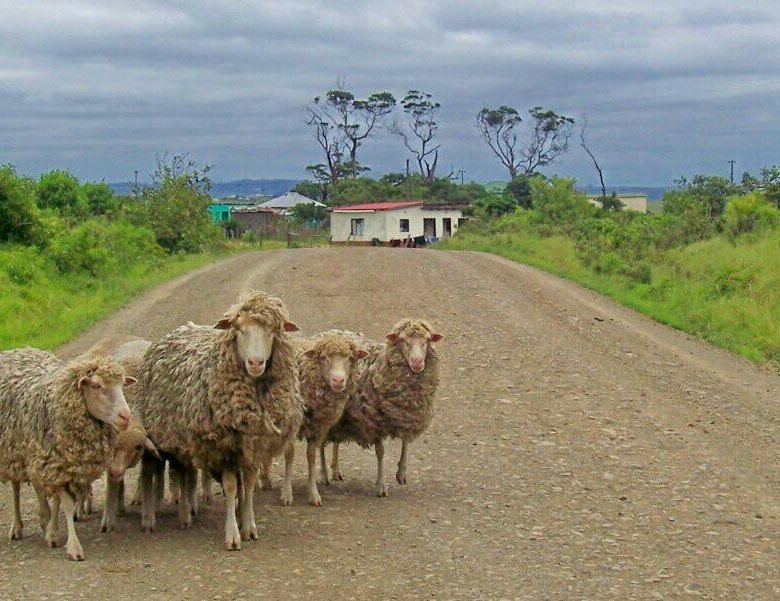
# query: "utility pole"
[731,177]
[461,172]
[135,186]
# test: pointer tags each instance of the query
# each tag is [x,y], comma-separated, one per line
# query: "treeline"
[86,227]
[708,262]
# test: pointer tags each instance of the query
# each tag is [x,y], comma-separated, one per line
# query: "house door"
[446,225]
[429,227]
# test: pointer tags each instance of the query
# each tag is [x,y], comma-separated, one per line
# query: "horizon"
[668,90]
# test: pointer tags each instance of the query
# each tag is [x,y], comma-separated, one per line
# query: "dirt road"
[579,451]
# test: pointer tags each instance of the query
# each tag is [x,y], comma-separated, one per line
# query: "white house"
[389,221]
[631,202]
[284,204]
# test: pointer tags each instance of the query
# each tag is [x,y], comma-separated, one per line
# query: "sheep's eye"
[95,385]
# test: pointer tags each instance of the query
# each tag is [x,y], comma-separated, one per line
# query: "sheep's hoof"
[16,532]
[135,501]
[381,489]
[147,524]
[250,534]
[106,526]
[316,501]
[52,542]
[266,484]
[400,477]
[75,552]
[185,524]
[233,541]
[324,480]
[337,475]
[286,497]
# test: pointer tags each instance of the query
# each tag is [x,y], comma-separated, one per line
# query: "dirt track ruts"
[579,451]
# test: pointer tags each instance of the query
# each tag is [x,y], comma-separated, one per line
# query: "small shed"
[387,222]
[261,221]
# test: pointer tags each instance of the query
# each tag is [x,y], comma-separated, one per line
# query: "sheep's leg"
[174,485]
[108,523]
[311,457]
[248,525]
[232,535]
[265,475]
[205,487]
[381,487]
[44,512]
[286,495]
[159,481]
[400,475]
[16,528]
[53,527]
[72,546]
[149,467]
[334,463]
[323,466]
[121,498]
[192,490]
[138,495]
[182,479]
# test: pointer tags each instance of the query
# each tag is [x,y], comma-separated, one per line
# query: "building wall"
[260,222]
[631,202]
[219,212]
[385,225]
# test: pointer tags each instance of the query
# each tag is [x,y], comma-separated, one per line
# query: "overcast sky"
[670,87]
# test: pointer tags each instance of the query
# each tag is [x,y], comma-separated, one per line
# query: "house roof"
[289,200]
[378,206]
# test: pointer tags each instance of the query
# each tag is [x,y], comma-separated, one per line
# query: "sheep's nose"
[123,417]
[338,379]
[256,364]
[115,475]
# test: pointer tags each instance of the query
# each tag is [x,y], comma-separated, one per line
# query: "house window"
[357,227]
[403,225]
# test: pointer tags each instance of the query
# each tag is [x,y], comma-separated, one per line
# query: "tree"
[60,190]
[341,124]
[422,127]
[520,190]
[19,215]
[586,148]
[315,190]
[99,198]
[548,137]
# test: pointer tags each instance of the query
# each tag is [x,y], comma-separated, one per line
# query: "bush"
[100,248]
[60,191]
[494,205]
[100,198]
[20,219]
[558,202]
[749,213]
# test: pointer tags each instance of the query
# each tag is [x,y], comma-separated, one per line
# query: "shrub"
[100,198]
[60,190]
[749,213]
[494,205]
[20,219]
[558,202]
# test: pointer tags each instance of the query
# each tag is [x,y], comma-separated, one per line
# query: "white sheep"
[59,431]
[220,399]
[394,399]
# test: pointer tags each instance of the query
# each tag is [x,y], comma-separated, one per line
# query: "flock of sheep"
[223,399]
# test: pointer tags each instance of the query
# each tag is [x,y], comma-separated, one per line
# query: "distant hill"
[240,187]
[653,192]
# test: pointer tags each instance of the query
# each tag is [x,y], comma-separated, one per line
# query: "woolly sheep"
[59,431]
[224,400]
[327,369]
[395,396]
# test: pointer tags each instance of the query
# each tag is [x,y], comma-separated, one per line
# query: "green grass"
[727,293]
[42,308]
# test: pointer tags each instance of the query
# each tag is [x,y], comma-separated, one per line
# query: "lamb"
[59,431]
[328,372]
[224,400]
[395,396]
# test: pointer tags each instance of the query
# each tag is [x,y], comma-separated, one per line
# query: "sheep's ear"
[223,324]
[392,337]
[436,337]
[290,327]
[83,381]
[149,446]
[311,353]
[361,354]
[130,380]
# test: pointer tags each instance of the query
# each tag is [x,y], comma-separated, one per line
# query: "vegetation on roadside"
[709,263]
[71,252]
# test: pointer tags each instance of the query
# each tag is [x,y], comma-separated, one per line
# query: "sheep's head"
[254,323]
[101,382]
[129,446]
[413,337]
[336,356]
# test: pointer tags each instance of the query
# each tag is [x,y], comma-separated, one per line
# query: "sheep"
[222,399]
[395,396]
[327,369]
[59,431]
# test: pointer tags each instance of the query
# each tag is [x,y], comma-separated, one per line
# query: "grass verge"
[724,291]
